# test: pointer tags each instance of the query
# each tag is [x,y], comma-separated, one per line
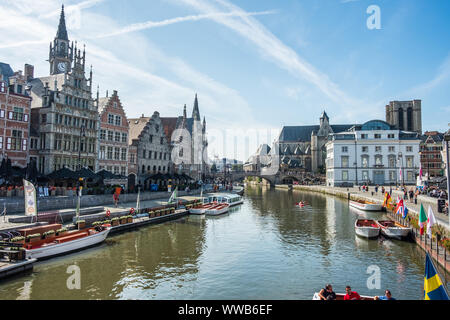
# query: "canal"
[265,249]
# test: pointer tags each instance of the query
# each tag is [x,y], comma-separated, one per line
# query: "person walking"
[116,199]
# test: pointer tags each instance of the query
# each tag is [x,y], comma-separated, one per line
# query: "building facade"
[15,111]
[405,115]
[153,152]
[63,111]
[431,154]
[373,153]
[113,136]
[302,148]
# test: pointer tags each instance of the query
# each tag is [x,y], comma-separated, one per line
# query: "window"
[344,175]
[117,136]
[132,158]
[17,114]
[58,142]
[110,135]
[365,149]
[162,140]
[110,154]
[102,152]
[124,137]
[124,154]
[391,136]
[365,161]
[392,176]
[110,118]
[144,154]
[44,118]
[102,134]
[116,153]
[344,149]
[123,171]
[16,140]
[392,161]
[365,175]
[391,149]
[364,136]
[118,120]
[410,176]
[378,160]
[377,136]
[344,161]
[377,149]
[409,148]
[151,138]
[409,162]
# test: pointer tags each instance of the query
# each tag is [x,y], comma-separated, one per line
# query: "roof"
[303,133]
[136,127]
[6,71]
[169,125]
[62,31]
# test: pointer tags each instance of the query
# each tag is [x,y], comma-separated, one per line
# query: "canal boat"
[202,208]
[367,228]
[340,296]
[218,209]
[232,199]
[392,229]
[69,242]
[366,205]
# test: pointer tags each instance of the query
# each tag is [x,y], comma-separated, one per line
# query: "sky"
[256,65]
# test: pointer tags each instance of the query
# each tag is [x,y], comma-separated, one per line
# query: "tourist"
[376,189]
[387,296]
[327,293]
[351,295]
[383,190]
[116,199]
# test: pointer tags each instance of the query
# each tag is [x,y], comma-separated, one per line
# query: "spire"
[184,112]
[62,31]
[196,112]
[204,125]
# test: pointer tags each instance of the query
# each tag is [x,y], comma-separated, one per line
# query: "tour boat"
[202,208]
[232,199]
[392,229]
[217,209]
[71,241]
[366,205]
[340,296]
[367,228]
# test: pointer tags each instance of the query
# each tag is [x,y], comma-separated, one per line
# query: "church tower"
[61,52]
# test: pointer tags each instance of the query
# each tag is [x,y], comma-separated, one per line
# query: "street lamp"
[447,166]
[400,158]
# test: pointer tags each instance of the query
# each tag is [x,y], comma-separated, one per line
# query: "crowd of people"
[327,293]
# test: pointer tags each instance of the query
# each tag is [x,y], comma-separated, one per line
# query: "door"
[378,177]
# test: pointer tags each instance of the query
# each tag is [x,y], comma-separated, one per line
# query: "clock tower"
[61,52]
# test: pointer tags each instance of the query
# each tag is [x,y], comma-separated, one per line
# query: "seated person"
[351,295]
[387,296]
[327,293]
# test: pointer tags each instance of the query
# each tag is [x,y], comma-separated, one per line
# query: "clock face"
[61,66]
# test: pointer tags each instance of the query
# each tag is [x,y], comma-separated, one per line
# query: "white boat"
[231,199]
[366,205]
[391,229]
[201,209]
[367,228]
[217,209]
[72,241]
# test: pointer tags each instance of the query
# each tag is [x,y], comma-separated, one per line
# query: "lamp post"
[82,134]
[400,158]
[447,166]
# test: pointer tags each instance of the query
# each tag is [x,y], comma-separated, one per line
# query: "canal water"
[265,249]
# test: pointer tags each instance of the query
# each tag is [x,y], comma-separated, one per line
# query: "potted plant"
[97,223]
[49,234]
[115,221]
[130,219]
[106,222]
[123,219]
[33,237]
[18,240]
[81,224]
[61,232]
[152,214]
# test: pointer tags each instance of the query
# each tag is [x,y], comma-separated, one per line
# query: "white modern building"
[372,153]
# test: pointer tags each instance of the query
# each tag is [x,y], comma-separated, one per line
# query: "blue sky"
[256,65]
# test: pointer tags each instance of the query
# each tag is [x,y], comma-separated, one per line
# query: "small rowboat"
[217,209]
[301,204]
[202,209]
[367,228]
[366,205]
[392,229]
[340,296]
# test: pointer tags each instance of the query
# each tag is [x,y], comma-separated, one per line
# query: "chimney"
[29,72]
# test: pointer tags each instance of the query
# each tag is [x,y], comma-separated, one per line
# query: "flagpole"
[444,284]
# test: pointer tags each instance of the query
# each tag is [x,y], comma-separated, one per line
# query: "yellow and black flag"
[433,287]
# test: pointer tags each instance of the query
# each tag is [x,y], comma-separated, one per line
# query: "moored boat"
[218,209]
[367,228]
[340,296]
[366,205]
[202,208]
[71,241]
[392,229]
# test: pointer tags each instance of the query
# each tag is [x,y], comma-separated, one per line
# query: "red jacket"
[352,296]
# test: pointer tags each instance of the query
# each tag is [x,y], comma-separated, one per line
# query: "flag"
[400,174]
[387,200]
[30,198]
[432,286]
[430,221]
[400,207]
[173,196]
[405,212]
[422,219]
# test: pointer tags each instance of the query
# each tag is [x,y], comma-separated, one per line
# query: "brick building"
[113,152]
[15,109]
[431,154]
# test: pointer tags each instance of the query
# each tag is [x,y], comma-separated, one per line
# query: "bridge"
[279,177]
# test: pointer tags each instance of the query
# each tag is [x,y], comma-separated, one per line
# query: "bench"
[71,237]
